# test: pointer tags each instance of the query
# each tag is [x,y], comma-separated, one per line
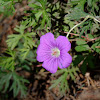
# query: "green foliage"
[93,6]
[77,59]
[28,40]
[77,14]
[40,13]
[8,62]
[24,52]
[96,46]
[82,46]
[14,39]
[17,84]
[78,11]
[62,81]
[58,17]
[7,7]
[88,62]
[78,5]
[70,23]
[5,80]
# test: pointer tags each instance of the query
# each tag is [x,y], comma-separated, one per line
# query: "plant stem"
[88,16]
[94,19]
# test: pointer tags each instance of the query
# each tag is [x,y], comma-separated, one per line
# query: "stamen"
[55,52]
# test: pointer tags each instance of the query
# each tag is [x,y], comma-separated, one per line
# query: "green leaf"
[28,40]
[18,85]
[56,82]
[4,81]
[84,67]
[96,46]
[89,62]
[21,28]
[81,4]
[24,53]
[90,36]
[41,14]
[13,40]
[37,15]
[8,62]
[90,59]
[26,67]
[35,6]
[7,7]
[89,2]
[78,59]
[80,42]
[77,14]
[62,82]
[81,48]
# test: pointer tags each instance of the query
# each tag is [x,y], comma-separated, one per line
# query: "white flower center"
[55,52]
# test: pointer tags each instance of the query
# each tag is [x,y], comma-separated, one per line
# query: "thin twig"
[39,65]
[86,39]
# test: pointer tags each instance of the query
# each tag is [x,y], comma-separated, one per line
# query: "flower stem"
[87,17]
[94,19]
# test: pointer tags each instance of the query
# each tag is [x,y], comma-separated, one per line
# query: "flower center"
[55,52]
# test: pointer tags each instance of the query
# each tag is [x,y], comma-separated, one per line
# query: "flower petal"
[63,43]
[65,60]
[43,53]
[51,65]
[47,42]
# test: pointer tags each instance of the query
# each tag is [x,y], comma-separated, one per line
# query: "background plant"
[59,18]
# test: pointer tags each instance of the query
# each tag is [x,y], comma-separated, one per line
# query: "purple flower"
[54,52]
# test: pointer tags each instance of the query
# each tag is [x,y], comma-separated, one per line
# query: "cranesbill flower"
[54,52]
